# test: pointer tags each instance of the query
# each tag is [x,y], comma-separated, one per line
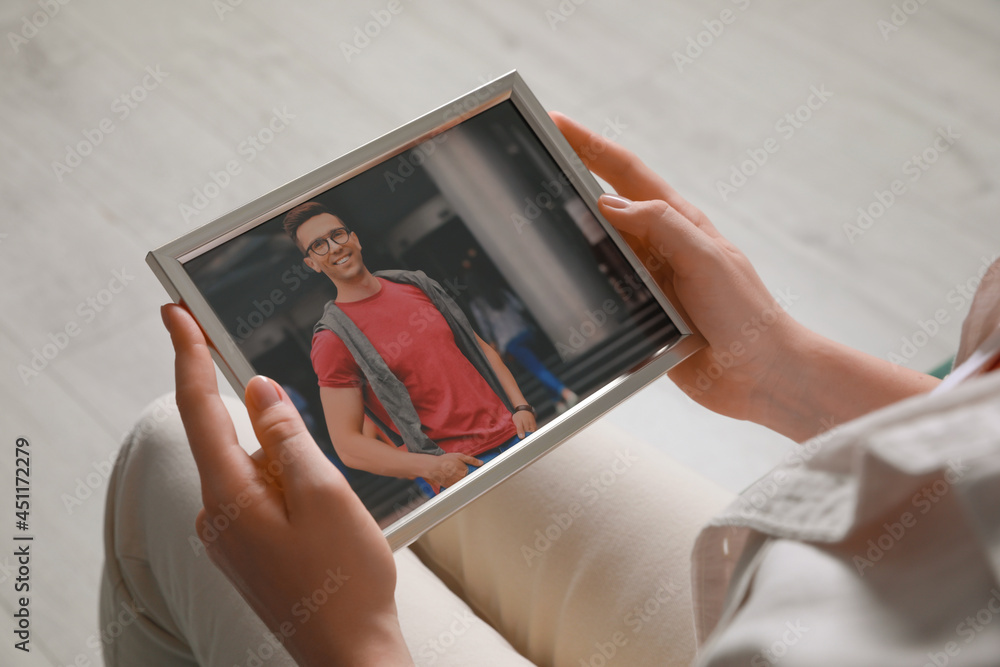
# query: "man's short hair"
[299,215]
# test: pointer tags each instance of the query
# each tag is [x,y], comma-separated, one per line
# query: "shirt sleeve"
[333,363]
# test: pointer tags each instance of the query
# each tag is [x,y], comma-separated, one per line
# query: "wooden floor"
[695,96]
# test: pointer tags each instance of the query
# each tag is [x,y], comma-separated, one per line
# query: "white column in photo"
[561,287]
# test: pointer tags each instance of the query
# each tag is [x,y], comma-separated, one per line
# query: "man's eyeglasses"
[321,246]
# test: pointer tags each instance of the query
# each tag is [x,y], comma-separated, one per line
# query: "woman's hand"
[760,364]
[748,334]
[284,525]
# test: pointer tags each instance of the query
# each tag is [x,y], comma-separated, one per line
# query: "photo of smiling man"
[395,347]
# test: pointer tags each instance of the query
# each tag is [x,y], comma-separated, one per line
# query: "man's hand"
[299,532]
[524,421]
[447,469]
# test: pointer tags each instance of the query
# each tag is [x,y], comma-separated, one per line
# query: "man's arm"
[481,320]
[525,421]
[344,410]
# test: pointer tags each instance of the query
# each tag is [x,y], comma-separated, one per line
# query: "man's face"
[341,262]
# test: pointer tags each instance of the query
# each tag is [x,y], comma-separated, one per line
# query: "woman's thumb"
[282,434]
[663,232]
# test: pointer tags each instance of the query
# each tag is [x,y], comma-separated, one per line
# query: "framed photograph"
[430,296]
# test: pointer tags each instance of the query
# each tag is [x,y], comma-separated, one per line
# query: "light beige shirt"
[877,543]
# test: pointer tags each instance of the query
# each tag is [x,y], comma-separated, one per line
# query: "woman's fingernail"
[614,201]
[163,316]
[262,392]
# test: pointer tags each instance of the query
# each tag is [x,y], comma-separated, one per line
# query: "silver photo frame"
[485,185]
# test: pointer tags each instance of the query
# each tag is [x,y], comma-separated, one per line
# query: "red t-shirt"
[457,408]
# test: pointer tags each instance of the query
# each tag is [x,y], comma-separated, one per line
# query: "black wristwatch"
[524,407]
